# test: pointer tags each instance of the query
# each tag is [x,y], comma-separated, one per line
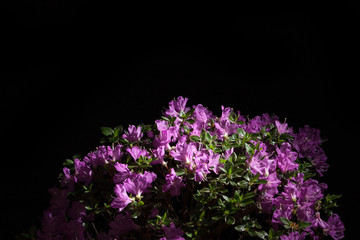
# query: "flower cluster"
[194,175]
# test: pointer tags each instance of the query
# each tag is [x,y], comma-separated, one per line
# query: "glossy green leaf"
[286,222]
[261,234]
[241,132]
[240,228]
[107,131]
[230,220]
[195,138]
[303,225]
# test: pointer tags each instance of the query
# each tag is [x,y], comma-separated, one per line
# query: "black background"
[70,68]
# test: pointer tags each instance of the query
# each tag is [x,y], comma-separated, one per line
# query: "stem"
[93,225]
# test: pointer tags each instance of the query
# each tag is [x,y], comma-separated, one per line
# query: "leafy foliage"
[193,175]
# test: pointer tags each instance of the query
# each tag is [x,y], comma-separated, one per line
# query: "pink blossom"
[172,233]
[133,134]
[282,127]
[202,114]
[121,225]
[122,199]
[177,106]
[184,153]
[262,164]
[136,152]
[138,183]
[335,227]
[286,158]
[123,173]
[294,236]
[159,154]
[173,184]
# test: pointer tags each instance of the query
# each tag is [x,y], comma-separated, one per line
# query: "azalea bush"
[194,175]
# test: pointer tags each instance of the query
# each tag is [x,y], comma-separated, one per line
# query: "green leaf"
[182,114]
[246,203]
[118,130]
[303,225]
[205,190]
[189,224]
[208,136]
[136,214]
[255,178]
[241,132]
[220,202]
[237,196]
[271,234]
[247,177]
[261,234]
[146,127]
[165,118]
[260,181]
[68,162]
[249,195]
[228,168]
[232,183]
[332,197]
[76,156]
[243,184]
[191,121]
[202,215]
[190,112]
[251,232]
[249,150]
[188,234]
[180,172]
[230,220]
[107,131]
[217,217]
[240,228]
[225,198]
[286,222]
[217,150]
[195,138]
[222,169]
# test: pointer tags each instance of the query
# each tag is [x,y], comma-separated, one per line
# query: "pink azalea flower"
[122,199]
[184,153]
[159,153]
[101,156]
[133,134]
[121,225]
[319,162]
[172,233]
[286,158]
[123,173]
[136,152]
[83,172]
[202,114]
[272,183]
[138,183]
[335,227]
[225,113]
[225,128]
[214,162]
[282,127]
[173,184]
[307,141]
[177,106]
[294,236]
[262,165]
